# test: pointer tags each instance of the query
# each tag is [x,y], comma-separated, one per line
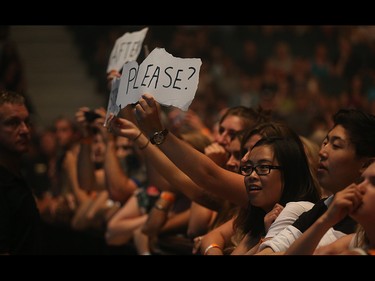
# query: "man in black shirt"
[19,216]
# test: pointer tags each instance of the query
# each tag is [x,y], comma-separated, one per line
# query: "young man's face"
[339,166]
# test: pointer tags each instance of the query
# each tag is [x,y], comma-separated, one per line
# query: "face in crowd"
[365,213]
[228,130]
[15,133]
[234,160]
[339,165]
[263,179]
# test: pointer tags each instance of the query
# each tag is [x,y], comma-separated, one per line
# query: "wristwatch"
[159,137]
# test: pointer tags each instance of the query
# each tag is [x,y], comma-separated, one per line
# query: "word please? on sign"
[175,76]
[171,80]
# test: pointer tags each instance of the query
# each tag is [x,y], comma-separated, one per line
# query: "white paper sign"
[112,106]
[171,80]
[127,48]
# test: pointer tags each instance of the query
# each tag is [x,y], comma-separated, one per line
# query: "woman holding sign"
[222,180]
[198,167]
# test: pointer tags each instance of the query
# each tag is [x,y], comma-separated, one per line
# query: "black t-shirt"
[19,216]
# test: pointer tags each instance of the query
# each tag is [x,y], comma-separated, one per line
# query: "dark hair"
[249,116]
[360,127]
[266,129]
[290,154]
[297,179]
[11,97]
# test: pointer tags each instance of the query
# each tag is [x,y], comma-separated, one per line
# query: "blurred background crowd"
[299,74]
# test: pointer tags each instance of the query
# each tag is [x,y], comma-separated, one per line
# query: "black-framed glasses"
[261,169]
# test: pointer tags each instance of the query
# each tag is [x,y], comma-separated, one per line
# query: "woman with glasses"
[276,172]
[206,174]
[249,138]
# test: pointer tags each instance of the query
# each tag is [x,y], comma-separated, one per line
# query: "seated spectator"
[345,153]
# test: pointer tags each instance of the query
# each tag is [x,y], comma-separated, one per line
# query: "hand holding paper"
[148,115]
[171,80]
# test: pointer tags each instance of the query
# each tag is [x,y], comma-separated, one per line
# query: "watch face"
[158,138]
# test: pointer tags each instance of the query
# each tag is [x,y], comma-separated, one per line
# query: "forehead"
[252,141]
[232,122]
[9,110]
[339,132]
[263,152]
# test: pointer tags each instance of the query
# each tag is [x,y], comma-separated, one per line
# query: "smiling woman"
[291,182]
[277,181]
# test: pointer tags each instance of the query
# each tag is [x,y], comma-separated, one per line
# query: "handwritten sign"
[171,80]
[127,48]
[112,106]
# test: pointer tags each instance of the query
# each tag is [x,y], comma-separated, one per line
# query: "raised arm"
[177,179]
[119,185]
[70,167]
[85,166]
[202,170]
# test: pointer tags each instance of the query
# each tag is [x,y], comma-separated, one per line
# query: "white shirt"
[288,215]
[282,241]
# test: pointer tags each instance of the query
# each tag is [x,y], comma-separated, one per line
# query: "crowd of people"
[244,175]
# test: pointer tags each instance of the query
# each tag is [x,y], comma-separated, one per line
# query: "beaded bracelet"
[213,245]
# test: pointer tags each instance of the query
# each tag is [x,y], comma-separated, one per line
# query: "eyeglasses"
[261,170]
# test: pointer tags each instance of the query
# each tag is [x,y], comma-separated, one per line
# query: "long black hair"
[296,178]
